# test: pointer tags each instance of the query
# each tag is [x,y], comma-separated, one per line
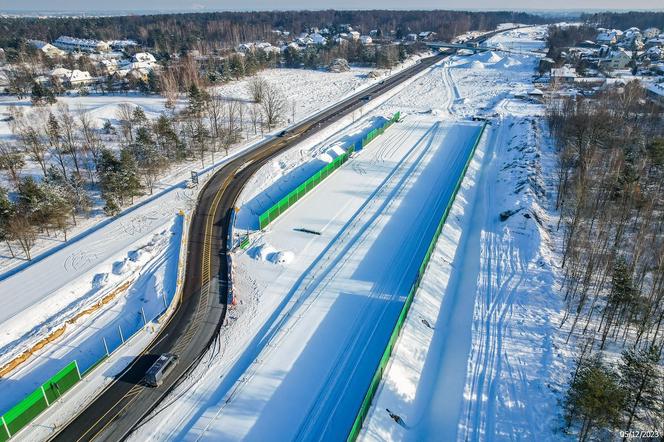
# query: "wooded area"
[611,202]
[206,32]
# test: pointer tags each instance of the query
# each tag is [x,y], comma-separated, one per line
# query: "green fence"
[265,218]
[379,130]
[39,400]
[378,374]
[283,204]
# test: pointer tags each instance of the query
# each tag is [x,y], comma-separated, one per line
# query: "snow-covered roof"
[318,39]
[564,72]
[365,39]
[144,57]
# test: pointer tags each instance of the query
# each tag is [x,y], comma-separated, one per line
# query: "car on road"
[366,98]
[160,369]
[282,134]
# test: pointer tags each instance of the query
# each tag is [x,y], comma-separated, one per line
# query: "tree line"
[118,162]
[208,32]
[610,178]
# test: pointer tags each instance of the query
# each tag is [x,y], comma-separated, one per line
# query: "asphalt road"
[196,323]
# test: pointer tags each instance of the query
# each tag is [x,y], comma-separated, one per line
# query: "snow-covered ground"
[61,278]
[489,362]
[132,257]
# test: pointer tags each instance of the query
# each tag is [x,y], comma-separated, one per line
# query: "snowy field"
[144,277]
[491,363]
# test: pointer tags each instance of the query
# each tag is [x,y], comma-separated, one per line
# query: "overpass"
[473,46]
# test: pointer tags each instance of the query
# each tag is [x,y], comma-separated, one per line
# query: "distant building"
[651,32]
[607,38]
[81,44]
[426,35]
[47,48]
[366,40]
[565,74]
[318,39]
[617,59]
[119,45]
[354,35]
[72,77]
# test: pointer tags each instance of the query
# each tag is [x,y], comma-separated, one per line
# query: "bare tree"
[254,115]
[92,144]
[21,229]
[125,116]
[68,129]
[256,88]
[11,160]
[273,105]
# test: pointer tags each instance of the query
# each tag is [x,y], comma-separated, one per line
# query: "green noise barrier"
[39,400]
[378,374]
[265,218]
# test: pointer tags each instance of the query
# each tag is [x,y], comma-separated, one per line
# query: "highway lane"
[196,323]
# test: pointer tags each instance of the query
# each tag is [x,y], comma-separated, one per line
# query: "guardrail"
[272,213]
[378,374]
[21,414]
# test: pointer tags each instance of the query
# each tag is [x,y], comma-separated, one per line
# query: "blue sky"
[194,5]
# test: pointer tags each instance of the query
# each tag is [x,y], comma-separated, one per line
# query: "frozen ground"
[491,363]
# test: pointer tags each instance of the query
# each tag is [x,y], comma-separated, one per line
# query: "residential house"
[354,35]
[617,59]
[651,33]
[366,40]
[426,35]
[606,38]
[71,78]
[564,74]
[318,39]
[81,44]
[48,49]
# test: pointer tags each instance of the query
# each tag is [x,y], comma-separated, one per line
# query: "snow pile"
[489,57]
[475,64]
[282,257]
[507,62]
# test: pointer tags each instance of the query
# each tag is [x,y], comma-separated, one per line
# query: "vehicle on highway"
[366,98]
[283,133]
[160,369]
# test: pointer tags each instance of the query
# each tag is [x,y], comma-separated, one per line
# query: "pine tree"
[639,377]
[131,184]
[6,212]
[595,398]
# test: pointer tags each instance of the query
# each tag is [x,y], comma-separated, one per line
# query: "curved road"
[195,324]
